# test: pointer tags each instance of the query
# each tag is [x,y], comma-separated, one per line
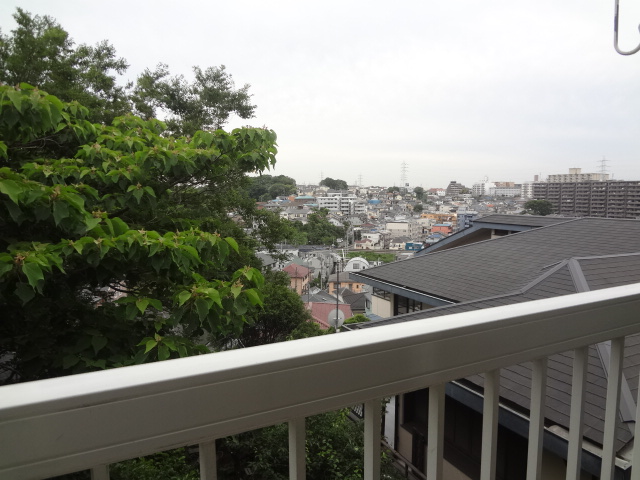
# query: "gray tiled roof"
[565,277]
[498,266]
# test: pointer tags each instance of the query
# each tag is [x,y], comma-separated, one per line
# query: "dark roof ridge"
[611,255]
[541,277]
[505,236]
[577,276]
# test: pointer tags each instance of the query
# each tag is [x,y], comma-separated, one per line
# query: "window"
[377,292]
[407,305]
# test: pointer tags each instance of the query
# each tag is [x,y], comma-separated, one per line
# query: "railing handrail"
[72,423]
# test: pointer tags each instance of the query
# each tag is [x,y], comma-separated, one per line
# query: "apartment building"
[576,175]
[407,228]
[611,198]
[343,202]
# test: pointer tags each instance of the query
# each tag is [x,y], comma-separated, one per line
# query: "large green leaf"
[12,189]
[202,307]
[33,273]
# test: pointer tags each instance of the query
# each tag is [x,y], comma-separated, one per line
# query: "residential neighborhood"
[317,241]
[462,252]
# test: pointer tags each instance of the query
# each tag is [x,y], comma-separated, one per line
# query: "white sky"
[457,90]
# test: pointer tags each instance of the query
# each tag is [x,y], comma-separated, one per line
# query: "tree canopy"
[97,267]
[40,52]
[319,230]
[538,207]
[284,312]
[206,103]
[336,184]
[267,187]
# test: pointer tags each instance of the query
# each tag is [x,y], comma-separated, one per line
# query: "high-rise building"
[609,198]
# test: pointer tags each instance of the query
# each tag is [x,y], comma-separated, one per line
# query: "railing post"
[490,425]
[100,472]
[435,432]
[208,467]
[372,438]
[536,418]
[297,449]
[578,386]
[611,412]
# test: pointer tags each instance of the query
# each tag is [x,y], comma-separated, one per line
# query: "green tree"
[260,187]
[336,184]
[334,449]
[319,230]
[419,191]
[358,318]
[538,207]
[206,103]
[418,208]
[40,52]
[393,190]
[283,312]
[84,216]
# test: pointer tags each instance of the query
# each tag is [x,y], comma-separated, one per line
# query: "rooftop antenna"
[615,35]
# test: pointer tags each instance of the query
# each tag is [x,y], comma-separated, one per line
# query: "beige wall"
[381,307]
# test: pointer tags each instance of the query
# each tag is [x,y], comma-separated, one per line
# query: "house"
[357,301]
[364,244]
[444,228]
[323,313]
[344,279]
[546,258]
[299,277]
[403,228]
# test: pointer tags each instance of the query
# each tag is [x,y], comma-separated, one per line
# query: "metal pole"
[337,299]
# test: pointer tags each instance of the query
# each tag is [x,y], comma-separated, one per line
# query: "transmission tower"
[603,165]
[403,173]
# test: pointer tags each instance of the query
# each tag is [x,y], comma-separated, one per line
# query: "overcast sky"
[455,90]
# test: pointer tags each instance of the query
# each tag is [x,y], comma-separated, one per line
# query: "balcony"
[88,421]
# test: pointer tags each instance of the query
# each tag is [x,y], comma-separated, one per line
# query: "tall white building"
[342,202]
[482,188]
[526,190]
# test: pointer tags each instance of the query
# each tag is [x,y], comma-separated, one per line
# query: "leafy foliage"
[336,184]
[203,104]
[319,230]
[40,52]
[171,465]
[358,318]
[334,450]
[266,187]
[538,207]
[90,274]
[283,313]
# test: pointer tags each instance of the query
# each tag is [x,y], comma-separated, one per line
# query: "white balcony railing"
[88,421]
